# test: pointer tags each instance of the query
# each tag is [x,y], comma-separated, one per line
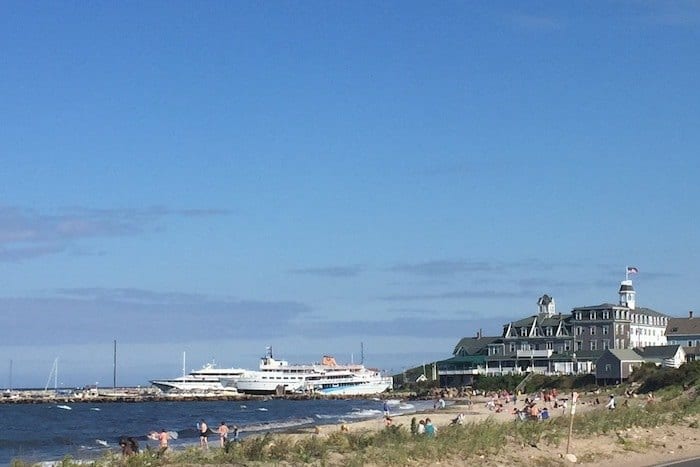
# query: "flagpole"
[627,273]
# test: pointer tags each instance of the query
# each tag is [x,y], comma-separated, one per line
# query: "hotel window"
[592,330]
[550,346]
[606,344]
[579,330]
[593,315]
[512,347]
[578,315]
[523,332]
[606,315]
[549,330]
[593,345]
[579,345]
[605,330]
[567,346]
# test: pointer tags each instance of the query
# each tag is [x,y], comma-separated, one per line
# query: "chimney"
[690,314]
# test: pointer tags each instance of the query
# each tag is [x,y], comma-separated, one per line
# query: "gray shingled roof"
[553,321]
[524,322]
[602,306]
[650,312]
[610,306]
[628,355]
[683,326]
[659,351]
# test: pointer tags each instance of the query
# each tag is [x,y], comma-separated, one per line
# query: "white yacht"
[326,377]
[206,380]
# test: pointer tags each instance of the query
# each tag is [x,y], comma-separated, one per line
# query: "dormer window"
[523,332]
[549,330]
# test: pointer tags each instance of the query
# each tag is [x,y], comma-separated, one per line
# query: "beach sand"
[647,447]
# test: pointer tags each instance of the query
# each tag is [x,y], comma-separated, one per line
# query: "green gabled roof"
[461,360]
[474,345]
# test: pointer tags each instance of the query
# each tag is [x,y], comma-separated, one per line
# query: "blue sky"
[215,177]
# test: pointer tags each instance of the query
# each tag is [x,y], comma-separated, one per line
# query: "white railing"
[534,353]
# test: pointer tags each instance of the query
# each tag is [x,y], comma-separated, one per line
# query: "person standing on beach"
[163,438]
[223,434]
[203,434]
[611,403]
[386,409]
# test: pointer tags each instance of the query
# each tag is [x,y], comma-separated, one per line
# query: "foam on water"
[364,413]
[277,426]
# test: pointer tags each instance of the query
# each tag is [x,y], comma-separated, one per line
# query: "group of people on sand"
[203,429]
[426,427]
[223,432]
[531,412]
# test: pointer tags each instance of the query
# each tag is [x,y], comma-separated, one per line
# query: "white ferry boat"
[328,377]
[206,380]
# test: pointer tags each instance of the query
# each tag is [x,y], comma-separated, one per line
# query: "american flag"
[632,270]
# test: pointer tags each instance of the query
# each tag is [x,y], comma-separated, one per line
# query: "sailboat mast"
[184,363]
[114,367]
[54,373]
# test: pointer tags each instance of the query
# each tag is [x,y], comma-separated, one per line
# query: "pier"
[95,396]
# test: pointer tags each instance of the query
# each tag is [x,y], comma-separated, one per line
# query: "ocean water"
[46,432]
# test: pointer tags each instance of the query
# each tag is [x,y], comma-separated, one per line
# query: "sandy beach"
[651,446]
